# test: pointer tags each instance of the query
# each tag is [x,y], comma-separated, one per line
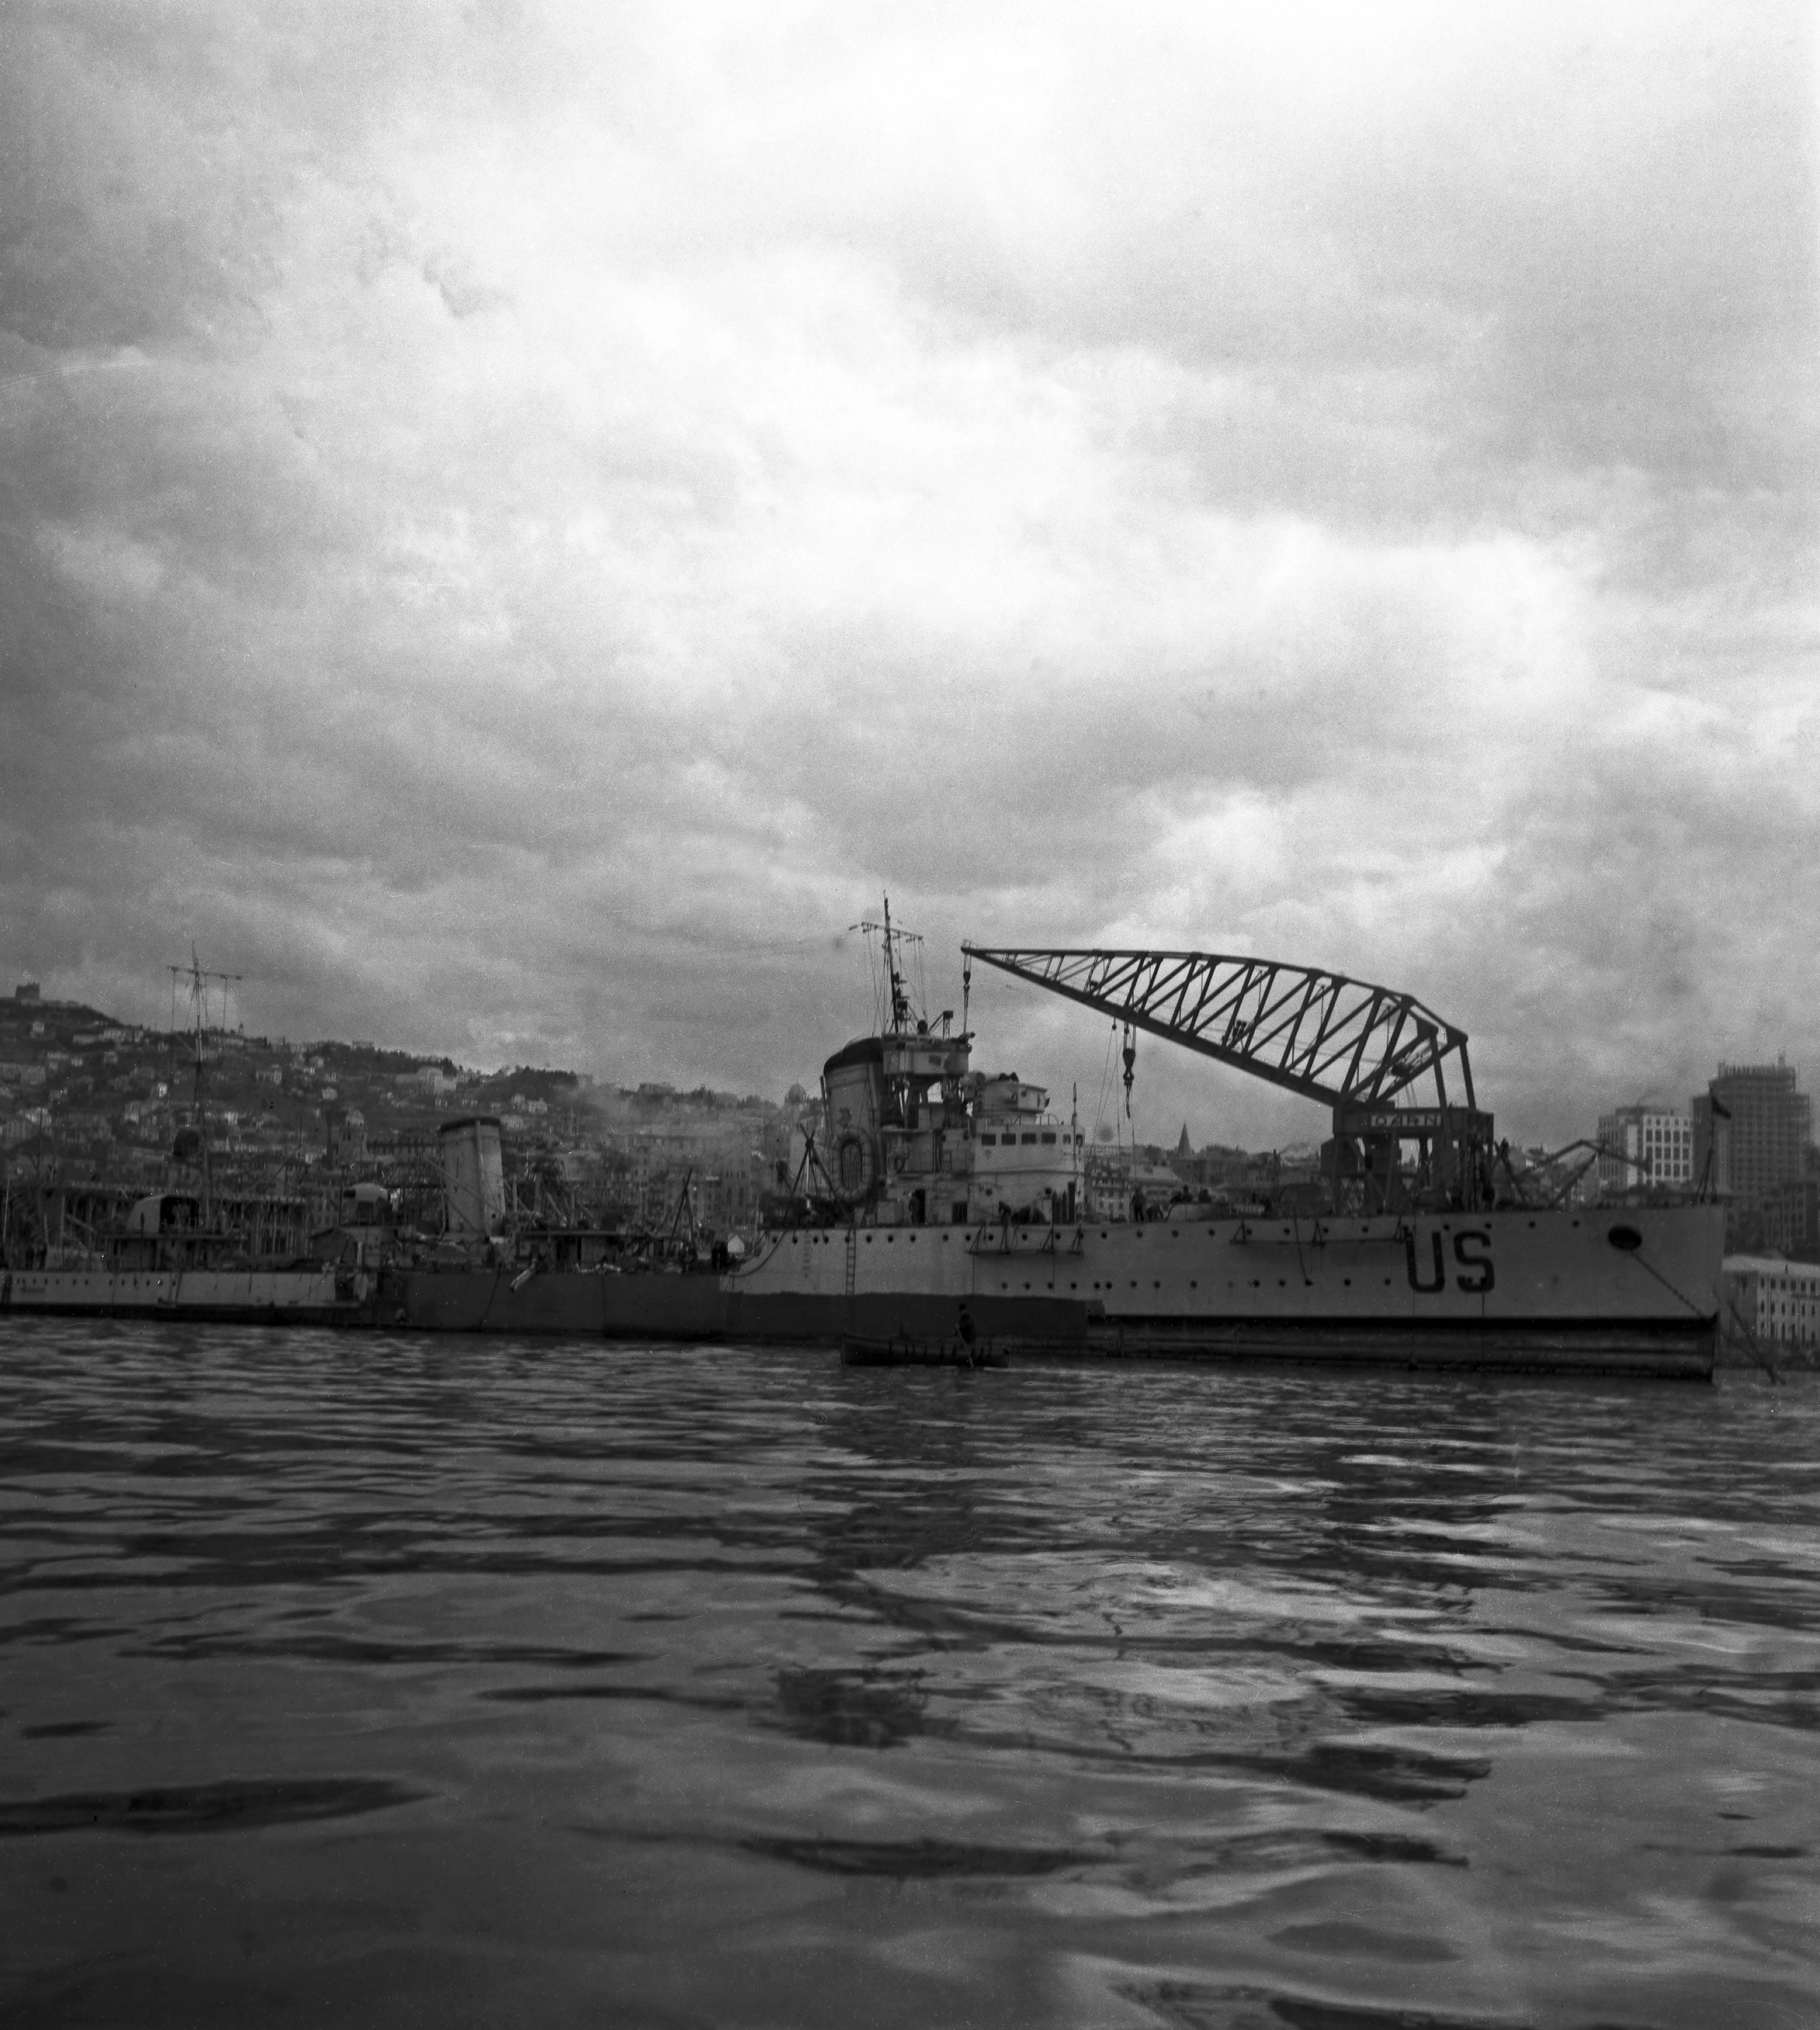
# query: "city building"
[346,1138]
[1646,1145]
[429,1079]
[1791,1216]
[1751,1132]
[1113,1179]
[1776,1302]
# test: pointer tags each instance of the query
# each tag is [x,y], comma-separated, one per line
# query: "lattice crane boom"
[1344,1043]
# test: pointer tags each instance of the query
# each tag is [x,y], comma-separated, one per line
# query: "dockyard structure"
[63,1225]
[1361,1049]
[87,1102]
[1642,1146]
[1772,1302]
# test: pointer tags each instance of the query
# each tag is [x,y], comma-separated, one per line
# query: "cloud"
[520,523]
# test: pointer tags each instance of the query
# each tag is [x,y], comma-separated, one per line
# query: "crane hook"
[1131,1061]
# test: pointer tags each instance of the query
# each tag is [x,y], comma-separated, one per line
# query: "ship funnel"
[474,1178]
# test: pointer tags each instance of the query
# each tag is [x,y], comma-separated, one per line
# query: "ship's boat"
[938,1210]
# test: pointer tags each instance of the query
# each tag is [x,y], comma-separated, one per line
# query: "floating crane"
[1354,1047]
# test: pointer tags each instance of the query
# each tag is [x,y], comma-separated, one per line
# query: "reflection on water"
[490,1680]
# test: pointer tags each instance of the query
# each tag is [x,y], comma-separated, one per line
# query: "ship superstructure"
[915,1136]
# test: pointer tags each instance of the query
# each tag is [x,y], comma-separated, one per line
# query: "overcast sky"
[517,523]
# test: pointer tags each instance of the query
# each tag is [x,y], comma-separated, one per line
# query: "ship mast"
[899,1017]
[197,977]
[900,1006]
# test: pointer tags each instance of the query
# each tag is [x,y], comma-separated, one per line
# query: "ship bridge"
[1362,1051]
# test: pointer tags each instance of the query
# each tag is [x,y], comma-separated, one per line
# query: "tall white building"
[1649,1145]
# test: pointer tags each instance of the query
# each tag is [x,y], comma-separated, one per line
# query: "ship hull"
[222,1296]
[633,1306]
[1630,1292]
[1654,1349]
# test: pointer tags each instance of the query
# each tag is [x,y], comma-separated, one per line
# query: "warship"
[181,1255]
[194,1252]
[943,1214]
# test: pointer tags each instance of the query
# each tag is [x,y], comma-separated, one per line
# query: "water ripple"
[522,1682]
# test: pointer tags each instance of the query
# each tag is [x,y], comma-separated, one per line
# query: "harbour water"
[381,1680]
